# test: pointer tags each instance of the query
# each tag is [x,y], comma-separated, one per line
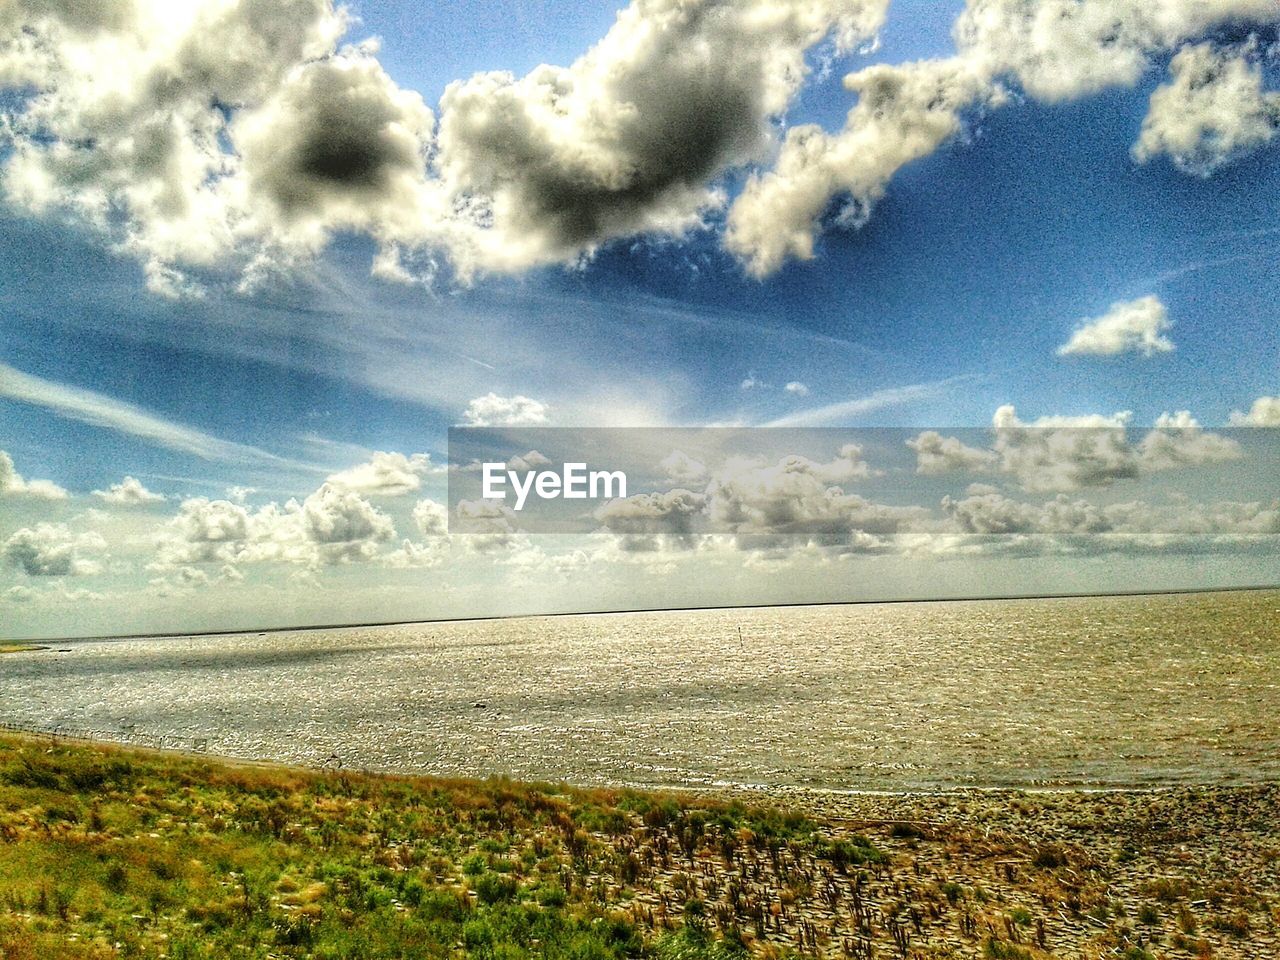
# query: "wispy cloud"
[99,410]
[836,413]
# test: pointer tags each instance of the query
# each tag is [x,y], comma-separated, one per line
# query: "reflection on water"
[1118,691]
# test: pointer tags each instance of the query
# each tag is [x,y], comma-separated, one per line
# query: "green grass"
[111,853]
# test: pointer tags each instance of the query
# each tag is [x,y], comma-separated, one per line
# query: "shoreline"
[769,792]
[779,792]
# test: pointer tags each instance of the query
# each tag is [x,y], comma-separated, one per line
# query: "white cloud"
[344,525]
[99,410]
[431,518]
[904,112]
[845,410]
[492,410]
[938,454]
[650,521]
[238,134]
[385,475]
[629,138]
[143,157]
[1178,441]
[12,483]
[679,467]
[797,388]
[798,496]
[1065,453]
[52,550]
[1213,110]
[129,492]
[332,525]
[19,594]
[1132,326]
[1053,50]
[1265,412]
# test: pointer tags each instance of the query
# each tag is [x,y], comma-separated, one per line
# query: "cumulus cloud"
[1265,412]
[144,158]
[332,525]
[679,467]
[648,520]
[798,496]
[1213,110]
[492,410]
[938,454]
[1066,453]
[337,145]
[904,112]
[1051,50]
[1132,326]
[52,550]
[344,525]
[241,134]
[12,483]
[630,137]
[1178,441]
[385,475]
[797,388]
[129,492]
[431,518]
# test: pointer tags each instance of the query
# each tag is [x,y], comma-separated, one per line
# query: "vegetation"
[106,852]
[111,853]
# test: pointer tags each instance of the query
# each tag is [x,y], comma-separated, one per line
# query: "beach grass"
[107,852]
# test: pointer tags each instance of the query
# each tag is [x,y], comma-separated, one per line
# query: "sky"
[256,259]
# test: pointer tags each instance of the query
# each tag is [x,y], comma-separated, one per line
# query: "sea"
[1090,692]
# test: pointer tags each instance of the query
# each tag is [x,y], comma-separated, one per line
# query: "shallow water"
[1124,692]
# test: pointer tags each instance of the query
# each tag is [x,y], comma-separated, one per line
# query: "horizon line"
[304,628]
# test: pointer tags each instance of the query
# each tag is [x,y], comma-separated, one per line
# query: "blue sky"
[977,264]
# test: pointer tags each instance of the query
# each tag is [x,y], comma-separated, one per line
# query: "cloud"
[344,525]
[99,410]
[679,467]
[1212,111]
[1051,50]
[129,492]
[903,113]
[332,525]
[12,483]
[338,146]
[648,521]
[797,388]
[630,137]
[240,136]
[759,501]
[51,550]
[19,594]
[1058,453]
[938,454]
[385,475]
[146,158]
[431,518]
[1178,441]
[1265,412]
[1133,326]
[492,410]
[879,400]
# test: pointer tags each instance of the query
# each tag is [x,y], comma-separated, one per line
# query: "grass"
[20,647]
[106,852]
